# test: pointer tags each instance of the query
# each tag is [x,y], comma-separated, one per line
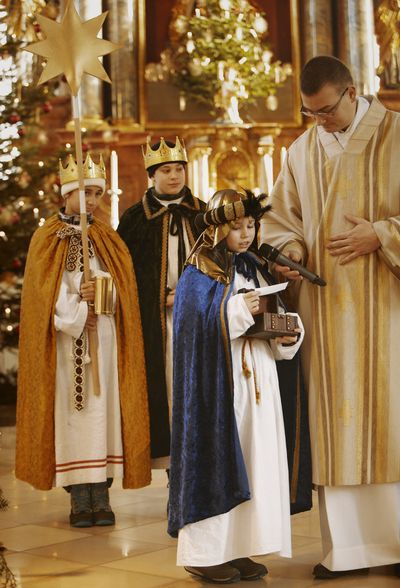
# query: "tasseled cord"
[247,372]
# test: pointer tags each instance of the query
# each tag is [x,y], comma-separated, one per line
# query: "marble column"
[123,26]
[356,41]
[317,28]
[91,88]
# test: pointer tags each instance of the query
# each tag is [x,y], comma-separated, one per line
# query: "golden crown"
[91,170]
[164,154]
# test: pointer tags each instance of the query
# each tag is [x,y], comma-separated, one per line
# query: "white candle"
[269,171]
[114,190]
[283,155]
[114,171]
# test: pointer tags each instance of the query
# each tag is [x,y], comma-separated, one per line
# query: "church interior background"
[222,75]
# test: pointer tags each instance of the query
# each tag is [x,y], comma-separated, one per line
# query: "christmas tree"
[220,57]
[28,180]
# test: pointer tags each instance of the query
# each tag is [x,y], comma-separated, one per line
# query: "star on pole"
[72,48]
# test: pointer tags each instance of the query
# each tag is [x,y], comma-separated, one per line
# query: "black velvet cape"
[144,228]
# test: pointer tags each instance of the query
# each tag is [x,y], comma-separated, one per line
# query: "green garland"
[215,36]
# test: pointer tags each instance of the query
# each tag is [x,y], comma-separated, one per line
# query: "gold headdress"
[93,173]
[164,154]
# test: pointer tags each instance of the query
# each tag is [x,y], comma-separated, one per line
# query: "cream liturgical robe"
[353,324]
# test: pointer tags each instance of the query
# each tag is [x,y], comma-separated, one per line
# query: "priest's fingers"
[287,273]
[346,258]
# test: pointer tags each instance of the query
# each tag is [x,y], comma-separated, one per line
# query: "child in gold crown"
[160,232]
[66,434]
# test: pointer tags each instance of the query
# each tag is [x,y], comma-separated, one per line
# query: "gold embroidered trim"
[226,338]
[74,258]
[163,278]
[189,232]
[79,347]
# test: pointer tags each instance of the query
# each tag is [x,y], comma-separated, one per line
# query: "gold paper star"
[72,47]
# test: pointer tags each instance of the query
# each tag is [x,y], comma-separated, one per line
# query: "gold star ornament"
[72,48]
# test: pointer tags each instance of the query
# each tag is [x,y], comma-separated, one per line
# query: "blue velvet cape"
[207,473]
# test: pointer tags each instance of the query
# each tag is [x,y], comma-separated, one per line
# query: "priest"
[336,208]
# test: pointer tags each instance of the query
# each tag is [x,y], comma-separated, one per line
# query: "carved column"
[317,28]
[122,28]
[91,88]
[356,39]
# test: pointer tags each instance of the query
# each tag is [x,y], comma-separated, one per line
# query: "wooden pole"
[93,340]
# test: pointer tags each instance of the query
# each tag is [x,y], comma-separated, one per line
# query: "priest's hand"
[252,300]
[361,239]
[91,320]
[170,299]
[287,273]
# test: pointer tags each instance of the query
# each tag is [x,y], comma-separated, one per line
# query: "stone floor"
[45,552]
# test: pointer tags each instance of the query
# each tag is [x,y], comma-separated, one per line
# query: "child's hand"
[170,299]
[91,320]
[87,291]
[252,300]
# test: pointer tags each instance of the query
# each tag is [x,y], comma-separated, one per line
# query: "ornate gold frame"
[294,121]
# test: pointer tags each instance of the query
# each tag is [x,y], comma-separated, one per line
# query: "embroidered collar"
[73,219]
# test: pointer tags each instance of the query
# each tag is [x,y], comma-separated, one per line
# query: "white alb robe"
[262,524]
[88,442]
[350,349]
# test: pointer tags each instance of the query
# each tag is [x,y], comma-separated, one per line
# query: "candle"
[114,190]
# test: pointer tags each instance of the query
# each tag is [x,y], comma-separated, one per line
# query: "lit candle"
[35,213]
[221,71]
[114,190]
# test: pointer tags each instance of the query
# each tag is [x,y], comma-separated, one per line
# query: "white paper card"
[272,289]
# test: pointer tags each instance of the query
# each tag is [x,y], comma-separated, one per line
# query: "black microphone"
[271,254]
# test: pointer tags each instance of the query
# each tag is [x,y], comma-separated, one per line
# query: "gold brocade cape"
[35,451]
[350,352]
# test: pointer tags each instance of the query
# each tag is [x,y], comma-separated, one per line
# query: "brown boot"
[221,574]
[249,569]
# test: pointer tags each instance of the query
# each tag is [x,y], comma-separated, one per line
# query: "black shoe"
[81,519]
[103,518]
[397,569]
[322,573]
[249,569]
[221,574]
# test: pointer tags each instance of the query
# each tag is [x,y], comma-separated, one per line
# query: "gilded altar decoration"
[388,31]
[219,56]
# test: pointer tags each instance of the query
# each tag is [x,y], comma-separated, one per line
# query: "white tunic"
[88,442]
[172,280]
[260,525]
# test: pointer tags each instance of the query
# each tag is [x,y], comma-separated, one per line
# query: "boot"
[81,506]
[102,513]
